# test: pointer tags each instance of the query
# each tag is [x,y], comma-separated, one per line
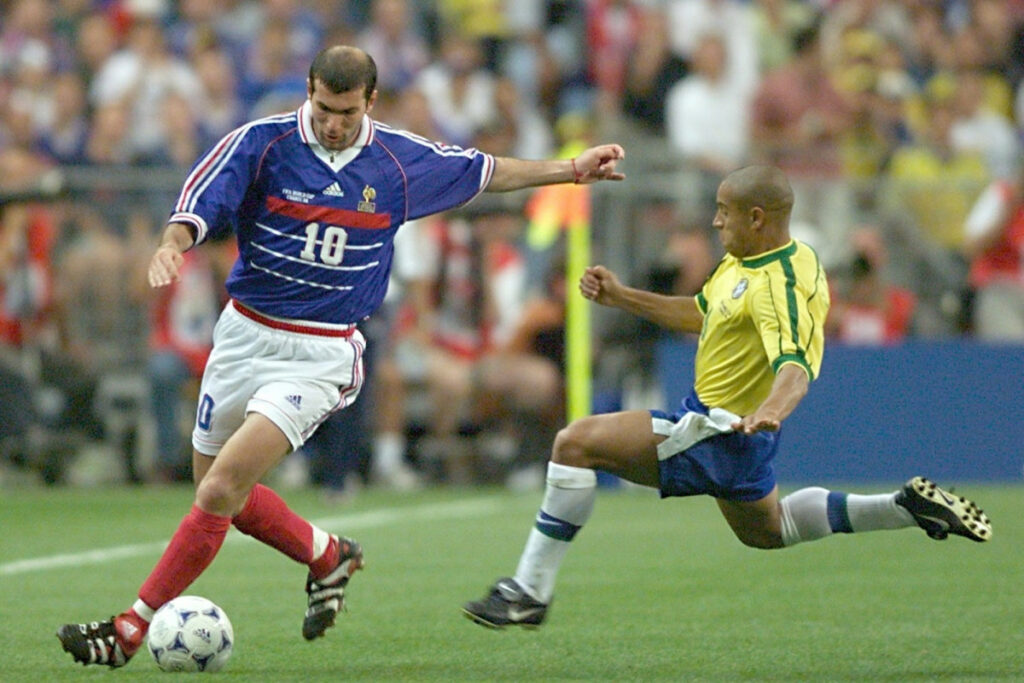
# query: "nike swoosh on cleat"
[949,501]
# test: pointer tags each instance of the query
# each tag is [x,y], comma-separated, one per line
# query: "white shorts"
[294,373]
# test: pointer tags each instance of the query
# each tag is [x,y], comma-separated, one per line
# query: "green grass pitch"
[651,590]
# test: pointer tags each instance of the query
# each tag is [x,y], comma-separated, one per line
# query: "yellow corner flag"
[554,208]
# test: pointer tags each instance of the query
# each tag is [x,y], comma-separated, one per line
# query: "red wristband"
[576,175]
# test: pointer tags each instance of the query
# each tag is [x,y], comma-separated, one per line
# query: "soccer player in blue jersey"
[760,317]
[314,198]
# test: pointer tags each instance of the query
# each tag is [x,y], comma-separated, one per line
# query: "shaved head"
[761,186]
[754,204]
[342,68]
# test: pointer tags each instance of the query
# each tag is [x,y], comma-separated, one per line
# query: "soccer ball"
[190,633]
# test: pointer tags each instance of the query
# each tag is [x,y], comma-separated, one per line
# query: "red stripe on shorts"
[292,327]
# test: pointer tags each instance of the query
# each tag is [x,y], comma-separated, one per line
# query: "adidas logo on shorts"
[295,400]
[334,189]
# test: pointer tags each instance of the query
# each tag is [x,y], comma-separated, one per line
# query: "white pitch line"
[359,520]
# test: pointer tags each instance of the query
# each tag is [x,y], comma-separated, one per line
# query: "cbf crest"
[368,205]
[740,287]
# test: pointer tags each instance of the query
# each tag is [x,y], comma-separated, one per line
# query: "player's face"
[733,224]
[337,116]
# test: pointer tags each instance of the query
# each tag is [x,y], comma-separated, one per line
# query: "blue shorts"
[729,465]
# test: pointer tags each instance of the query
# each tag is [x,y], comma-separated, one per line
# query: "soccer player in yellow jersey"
[760,316]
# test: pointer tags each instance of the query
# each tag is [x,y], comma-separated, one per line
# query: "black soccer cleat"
[327,596]
[506,605]
[941,513]
[99,642]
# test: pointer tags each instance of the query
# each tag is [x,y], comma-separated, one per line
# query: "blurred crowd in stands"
[899,123]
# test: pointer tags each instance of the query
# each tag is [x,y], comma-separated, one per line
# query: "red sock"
[267,518]
[191,550]
[131,629]
[327,562]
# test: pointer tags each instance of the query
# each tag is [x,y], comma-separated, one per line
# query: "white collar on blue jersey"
[336,160]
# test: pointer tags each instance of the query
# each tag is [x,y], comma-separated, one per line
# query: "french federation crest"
[740,287]
[368,205]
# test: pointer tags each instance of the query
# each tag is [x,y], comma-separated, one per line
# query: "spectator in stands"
[460,93]
[108,142]
[482,21]
[221,108]
[402,325]
[866,308]
[928,46]
[66,138]
[28,235]
[994,244]
[691,256]
[935,183]
[534,57]
[998,23]
[776,23]
[978,128]
[689,20]
[651,71]
[197,28]
[181,139]
[95,42]
[272,79]
[478,283]
[530,134]
[182,317]
[30,24]
[32,90]
[797,119]
[392,33]
[305,27]
[869,74]
[707,117]
[142,76]
[614,33]
[855,21]
[520,385]
[32,355]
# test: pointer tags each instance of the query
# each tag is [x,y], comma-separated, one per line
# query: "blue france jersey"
[315,229]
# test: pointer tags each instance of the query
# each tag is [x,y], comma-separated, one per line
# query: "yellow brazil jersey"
[760,313]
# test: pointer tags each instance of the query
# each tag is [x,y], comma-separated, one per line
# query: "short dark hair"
[342,68]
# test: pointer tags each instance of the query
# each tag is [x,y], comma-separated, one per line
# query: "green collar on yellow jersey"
[770,256]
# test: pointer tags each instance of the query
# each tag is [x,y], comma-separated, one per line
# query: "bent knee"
[571,447]
[761,540]
[220,496]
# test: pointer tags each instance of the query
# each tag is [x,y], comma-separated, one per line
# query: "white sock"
[144,610]
[388,452]
[880,511]
[321,540]
[805,516]
[568,502]
[813,513]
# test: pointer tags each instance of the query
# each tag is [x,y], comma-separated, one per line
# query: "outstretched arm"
[679,313]
[167,259]
[594,164]
[789,388]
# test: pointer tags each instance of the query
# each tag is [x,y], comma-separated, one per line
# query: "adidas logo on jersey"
[295,400]
[334,189]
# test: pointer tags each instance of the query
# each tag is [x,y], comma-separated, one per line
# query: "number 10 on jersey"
[332,246]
